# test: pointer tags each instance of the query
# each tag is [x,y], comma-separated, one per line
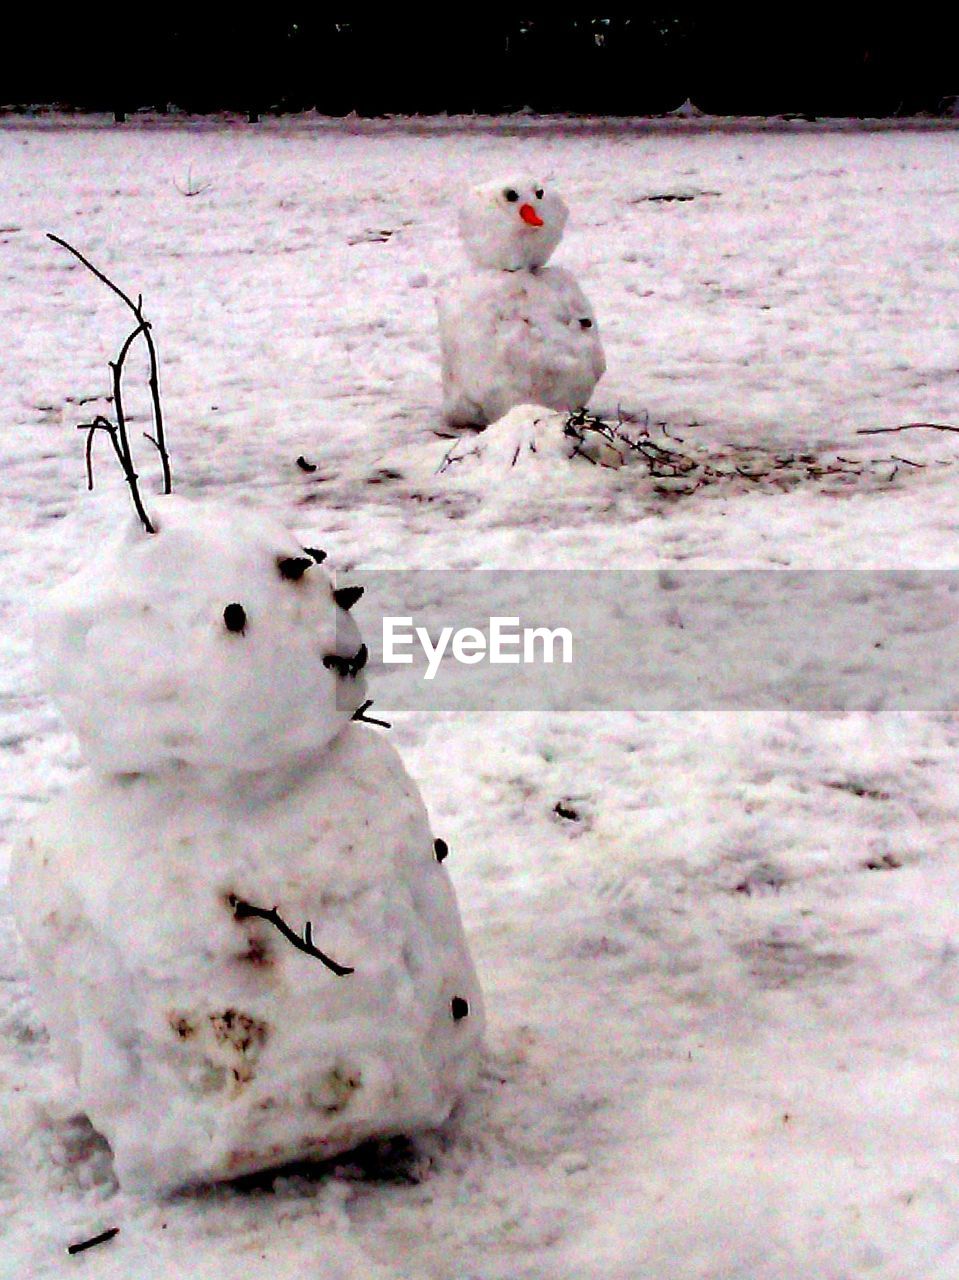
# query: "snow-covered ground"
[722,991]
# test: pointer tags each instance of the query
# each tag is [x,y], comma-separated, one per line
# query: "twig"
[360,715]
[102,1238]
[906,426]
[243,910]
[122,440]
[159,440]
[449,458]
[99,423]
[192,189]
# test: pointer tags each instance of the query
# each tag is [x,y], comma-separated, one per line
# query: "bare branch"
[360,715]
[100,424]
[99,274]
[906,426]
[82,1245]
[244,910]
[144,328]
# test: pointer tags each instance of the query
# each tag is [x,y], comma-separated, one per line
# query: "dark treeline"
[286,58]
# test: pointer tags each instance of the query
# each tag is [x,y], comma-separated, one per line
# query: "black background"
[808,61]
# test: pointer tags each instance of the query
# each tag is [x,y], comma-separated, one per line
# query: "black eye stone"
[538,193]
[511,195]
[459,1008]
[440,849]
[234,618]
[585,323]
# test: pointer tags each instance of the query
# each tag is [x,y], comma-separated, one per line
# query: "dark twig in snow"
[102,1238]
[906,426]
[360,715]
[99,424]
[449,458]
[143,326]
[120,442]
[192,188]
[244,910]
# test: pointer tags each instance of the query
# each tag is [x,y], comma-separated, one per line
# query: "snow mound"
[203,1042]
[530,438]
[203,644]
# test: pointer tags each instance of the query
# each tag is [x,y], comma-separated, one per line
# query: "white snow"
[686,1077]
[512,330]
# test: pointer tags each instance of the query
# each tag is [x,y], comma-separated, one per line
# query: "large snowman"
[241,932]
[513,330]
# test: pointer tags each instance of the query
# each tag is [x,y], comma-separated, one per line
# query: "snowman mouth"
[530,216]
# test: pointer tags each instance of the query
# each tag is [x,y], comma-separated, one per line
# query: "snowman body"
[203,1042]
[513,330]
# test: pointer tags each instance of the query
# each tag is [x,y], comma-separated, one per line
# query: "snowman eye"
[234,618]
[538,193]
[511,195]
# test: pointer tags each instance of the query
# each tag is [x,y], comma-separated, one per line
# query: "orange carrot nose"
[530,216]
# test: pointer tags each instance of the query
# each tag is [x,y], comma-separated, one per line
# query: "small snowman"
[513,330]
[241,932]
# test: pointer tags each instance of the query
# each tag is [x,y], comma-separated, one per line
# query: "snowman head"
[216,642]
[512,223]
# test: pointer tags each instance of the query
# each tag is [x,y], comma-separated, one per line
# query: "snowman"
[241,932]
[513,330]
